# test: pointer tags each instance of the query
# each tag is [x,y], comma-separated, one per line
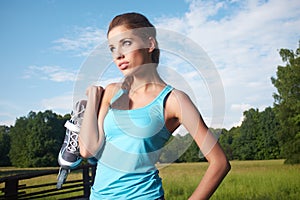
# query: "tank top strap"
[161,97]
[119,93]
[163,94]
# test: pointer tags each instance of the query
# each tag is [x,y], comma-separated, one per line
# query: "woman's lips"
[123,65]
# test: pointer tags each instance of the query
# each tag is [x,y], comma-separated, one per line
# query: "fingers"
[94,90]
[94,95]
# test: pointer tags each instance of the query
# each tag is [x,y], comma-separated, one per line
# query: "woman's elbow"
[89,152]
[222,164]
[84,153]
[227,166]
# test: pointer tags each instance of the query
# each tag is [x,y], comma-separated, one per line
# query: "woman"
[126,125]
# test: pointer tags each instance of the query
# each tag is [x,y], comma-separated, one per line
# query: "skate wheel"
[61,178]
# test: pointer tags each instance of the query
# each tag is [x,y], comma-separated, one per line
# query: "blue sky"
[45,43]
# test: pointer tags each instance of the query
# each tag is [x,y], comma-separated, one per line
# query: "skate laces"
[73,142]
[76,120]
[78,112]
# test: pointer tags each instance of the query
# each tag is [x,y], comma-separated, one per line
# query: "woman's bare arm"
[91,135]
[188,115]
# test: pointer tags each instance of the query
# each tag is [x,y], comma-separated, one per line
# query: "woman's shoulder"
[177,102]
[111,89]
[178,98]
[113,86]
[177,94]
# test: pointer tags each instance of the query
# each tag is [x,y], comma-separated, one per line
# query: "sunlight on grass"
[47,179]
[255,180]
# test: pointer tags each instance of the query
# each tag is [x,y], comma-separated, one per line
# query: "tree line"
[35,139]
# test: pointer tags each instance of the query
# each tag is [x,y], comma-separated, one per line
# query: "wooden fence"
[14,190]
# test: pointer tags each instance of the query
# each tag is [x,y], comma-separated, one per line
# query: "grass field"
[255,180]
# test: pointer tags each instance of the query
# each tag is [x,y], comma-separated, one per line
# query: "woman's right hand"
[94,94]
[91,133]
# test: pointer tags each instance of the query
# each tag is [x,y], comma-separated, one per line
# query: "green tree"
[170,151]
[175,148]
[256,137]
[287,104]
[36,139]
[181,149]
[269,144]
[250,136]
[235,133]
[192,154]
[4,146]
[226,141]
[18,151]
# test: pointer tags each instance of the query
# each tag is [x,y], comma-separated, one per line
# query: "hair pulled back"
[141,25]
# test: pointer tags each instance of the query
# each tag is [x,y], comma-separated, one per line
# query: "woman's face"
[129,51]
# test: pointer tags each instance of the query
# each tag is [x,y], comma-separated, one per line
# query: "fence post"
[11,189]
[86,181]
[93,174]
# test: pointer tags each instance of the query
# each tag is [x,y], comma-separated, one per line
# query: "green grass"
[255,180]
[74,175]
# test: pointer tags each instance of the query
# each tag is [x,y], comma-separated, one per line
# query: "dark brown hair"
[143,28]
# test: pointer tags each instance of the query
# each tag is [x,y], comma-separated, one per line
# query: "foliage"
[180,149]
[4,146]
[250,135]
[226,140]
[36,139]
[192,154]
[270,134]
[255,139]
[287,104]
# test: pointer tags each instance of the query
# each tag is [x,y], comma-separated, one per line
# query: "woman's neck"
[145,80]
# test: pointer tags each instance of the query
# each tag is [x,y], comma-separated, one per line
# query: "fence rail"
[14,190]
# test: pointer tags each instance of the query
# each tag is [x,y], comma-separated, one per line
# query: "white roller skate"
[69,155]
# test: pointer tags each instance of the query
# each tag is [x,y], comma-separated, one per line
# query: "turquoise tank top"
[133,142]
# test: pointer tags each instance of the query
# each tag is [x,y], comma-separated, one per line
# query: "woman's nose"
[118,54]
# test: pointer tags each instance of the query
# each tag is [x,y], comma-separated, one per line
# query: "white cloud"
[8,122]
[241,107]
[7,119]
[8,112]
[60,104]
[242,39]
[53,73]
[81,40]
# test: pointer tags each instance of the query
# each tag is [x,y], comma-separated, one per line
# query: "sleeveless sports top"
[133,142]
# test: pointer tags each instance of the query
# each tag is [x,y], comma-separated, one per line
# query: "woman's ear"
[152,44]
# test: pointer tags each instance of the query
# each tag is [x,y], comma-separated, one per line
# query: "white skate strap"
[72,127]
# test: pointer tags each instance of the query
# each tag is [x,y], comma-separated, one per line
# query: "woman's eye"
[127,43]
[112,49]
